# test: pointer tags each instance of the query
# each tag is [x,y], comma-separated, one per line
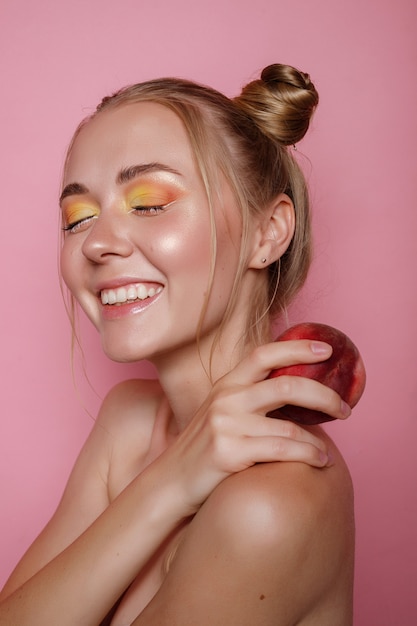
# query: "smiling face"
[137,253]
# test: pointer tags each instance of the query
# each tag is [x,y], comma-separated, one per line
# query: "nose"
[108,237]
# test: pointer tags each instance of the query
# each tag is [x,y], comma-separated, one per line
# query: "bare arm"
[83,560]
[91,551]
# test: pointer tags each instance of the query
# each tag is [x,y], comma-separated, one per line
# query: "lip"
[120,311]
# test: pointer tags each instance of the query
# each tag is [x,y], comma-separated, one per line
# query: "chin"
[123,352]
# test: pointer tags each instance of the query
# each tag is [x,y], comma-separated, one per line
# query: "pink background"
[57,59]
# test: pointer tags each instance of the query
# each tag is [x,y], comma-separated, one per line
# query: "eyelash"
[150,210]
[74,226]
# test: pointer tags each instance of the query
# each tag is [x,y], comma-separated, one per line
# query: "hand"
[230,431]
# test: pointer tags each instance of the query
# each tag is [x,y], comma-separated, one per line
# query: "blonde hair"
[246,139]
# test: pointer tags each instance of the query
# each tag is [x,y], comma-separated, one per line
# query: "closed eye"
[148,210]
[79,225]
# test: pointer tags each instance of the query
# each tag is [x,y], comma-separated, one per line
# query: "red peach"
[343,371]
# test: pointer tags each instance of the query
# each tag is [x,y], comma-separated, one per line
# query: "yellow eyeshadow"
[147,194]
[78,211]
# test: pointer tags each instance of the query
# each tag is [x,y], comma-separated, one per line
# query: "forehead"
[130,134]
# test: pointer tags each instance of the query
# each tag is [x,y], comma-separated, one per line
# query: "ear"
[273,233]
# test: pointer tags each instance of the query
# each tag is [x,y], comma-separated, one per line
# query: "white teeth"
[121,295]
[142,292]
[111,296]
[130,293]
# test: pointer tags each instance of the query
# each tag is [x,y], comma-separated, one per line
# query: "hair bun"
[281,102]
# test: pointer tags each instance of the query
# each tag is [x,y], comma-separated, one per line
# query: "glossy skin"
[343,371]
[184,484]
[127,246]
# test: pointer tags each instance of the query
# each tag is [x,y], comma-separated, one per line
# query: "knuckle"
[229,399]
[280,448]
[290,430]
[258,356]
[216,421]
[285,386]
[221,453]
[330,401]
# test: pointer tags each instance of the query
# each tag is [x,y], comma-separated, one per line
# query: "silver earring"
[263,260]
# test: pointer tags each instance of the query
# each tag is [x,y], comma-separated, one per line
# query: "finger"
[258,364]
[270,449]
[256,426]
[275,393]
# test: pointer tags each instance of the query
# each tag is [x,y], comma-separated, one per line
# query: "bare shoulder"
[296,495]
[127,420]
[290,506]
[128,400]
[127,415]
[293,522]
[274,544]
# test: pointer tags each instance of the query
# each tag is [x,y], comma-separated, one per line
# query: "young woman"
[186,232]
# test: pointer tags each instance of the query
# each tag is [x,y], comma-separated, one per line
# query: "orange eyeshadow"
[77,211]
[150,194]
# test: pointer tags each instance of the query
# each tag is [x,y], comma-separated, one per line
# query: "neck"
[188,373]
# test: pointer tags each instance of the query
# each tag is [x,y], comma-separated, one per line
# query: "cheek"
[183,245]
[181,249]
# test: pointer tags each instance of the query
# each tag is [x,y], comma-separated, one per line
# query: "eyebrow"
[73,189]
[125,175]
[129,173]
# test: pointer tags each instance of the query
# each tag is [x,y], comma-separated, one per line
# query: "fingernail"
[324,458]
[345,408]
[319,347]
[330,458]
